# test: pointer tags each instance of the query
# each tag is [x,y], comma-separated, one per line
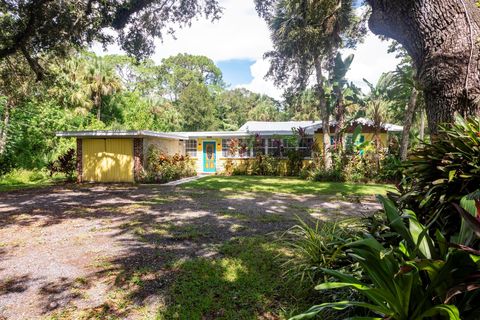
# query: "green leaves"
[419,279]
[443,172]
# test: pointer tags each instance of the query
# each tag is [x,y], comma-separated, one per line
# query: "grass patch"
[24,179]
[285,185]
[245,283]
[156,232]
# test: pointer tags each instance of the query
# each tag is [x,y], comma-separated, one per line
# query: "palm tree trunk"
[98,102]
[407,124]
[340,120]
[322,106]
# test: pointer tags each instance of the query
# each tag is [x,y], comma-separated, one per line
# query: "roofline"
[119,134]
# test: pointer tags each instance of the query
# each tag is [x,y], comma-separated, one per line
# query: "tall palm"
[101,81]
[307,35]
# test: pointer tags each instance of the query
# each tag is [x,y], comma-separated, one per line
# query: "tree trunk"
[98,102]
[327,157]
[422,125]
[407,124]
[340,119]
[440,36]
[4,128]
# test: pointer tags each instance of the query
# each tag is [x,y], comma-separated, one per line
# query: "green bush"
[321,174]
[265,166]
[162,168]
[443,172]
[391,169]
[419,278]
[318,244]
[65,163]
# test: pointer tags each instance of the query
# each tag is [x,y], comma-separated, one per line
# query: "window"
[305,147]
[275,147]
[259,146]
[226,147]
[235,148]
[191,148]
[243,150]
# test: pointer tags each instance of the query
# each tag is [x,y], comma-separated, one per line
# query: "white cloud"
[370,61]
[241,34]
[258,84]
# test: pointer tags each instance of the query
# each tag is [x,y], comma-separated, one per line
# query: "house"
[119,156]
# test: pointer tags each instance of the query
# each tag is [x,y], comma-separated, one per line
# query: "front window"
[235,148]
[191,148]
[305,147]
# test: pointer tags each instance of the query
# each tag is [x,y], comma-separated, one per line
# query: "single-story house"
[119,156]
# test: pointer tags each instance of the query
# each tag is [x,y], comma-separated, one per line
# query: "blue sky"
[236,71]
[238,41]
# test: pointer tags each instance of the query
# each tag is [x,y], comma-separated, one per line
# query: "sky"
[238,41]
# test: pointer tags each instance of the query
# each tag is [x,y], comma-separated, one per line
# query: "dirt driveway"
[85,248]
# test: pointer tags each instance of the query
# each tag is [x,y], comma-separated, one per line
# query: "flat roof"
[120,134]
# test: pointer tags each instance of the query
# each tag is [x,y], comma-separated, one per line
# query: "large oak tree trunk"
[407,124]
[324,114]
[441,37]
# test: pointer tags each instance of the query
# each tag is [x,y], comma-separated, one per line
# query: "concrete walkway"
[182,181]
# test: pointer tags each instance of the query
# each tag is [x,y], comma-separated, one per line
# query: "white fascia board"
[118,134]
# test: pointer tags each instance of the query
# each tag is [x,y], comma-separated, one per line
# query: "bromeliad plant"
[442,173]
[421,278]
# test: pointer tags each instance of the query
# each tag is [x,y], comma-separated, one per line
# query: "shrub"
[443,172]
[391,169]
[162,168]
[321,174]
[419,278]
[65,163]
[265,166]
[315,245]
[294,162]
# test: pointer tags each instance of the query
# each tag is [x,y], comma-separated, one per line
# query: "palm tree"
[307,35]
[101,81]
[377,104]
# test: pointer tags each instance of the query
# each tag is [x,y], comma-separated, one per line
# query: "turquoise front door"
[209,156]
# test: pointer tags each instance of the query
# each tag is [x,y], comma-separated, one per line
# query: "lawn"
[286,185]
[245,282]
[25,179]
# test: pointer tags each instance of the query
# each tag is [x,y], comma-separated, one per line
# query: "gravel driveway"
[82,249]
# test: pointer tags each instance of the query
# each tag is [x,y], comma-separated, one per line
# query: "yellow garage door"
[107,160]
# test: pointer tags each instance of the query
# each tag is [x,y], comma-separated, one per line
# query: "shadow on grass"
[244,282]
[173,245]
[285,185]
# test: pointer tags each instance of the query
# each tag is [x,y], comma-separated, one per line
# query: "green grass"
[24,179]
[285,185]
[243,283]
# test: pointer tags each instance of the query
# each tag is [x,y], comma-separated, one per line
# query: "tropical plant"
[377,105]
[421,278]
[339,84]
[318,244]
[443,172]
[306,37]
[65,163]
[164,168]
